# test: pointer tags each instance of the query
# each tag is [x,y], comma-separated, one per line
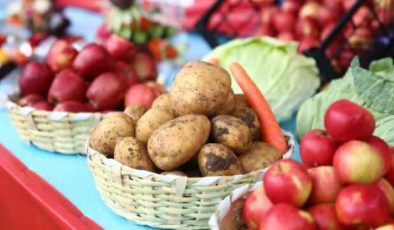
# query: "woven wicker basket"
[60,132]
[164,201]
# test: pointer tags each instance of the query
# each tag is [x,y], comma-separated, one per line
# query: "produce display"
[279,78]
[198,124]
[372,88]
[97,78]
[344,181]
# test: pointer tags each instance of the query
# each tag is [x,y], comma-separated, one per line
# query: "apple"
[284,21]
[140,94]
[265,30]
[310,9]
[67,86]
[30,99]
[390,174]
[286,36]
[328,16]
[346,57]
[123,69]
[61,55]
[74,107]
[288,181]
[291,6]
[103,32]
[347,4]
[43,105]
[307,27]
[388,191]
[345,120]
[91,61]
[145,67]
[106,91]
[267,16]
[358,162]
[159,89]
[36,78]
[362,204]
[386,227]
[362,16]
[308,42]
[361,38]
[383,149]
[317,148]
[120,48]
[325,185]
[256,205]
[325,217]
[285,216]
[333,4]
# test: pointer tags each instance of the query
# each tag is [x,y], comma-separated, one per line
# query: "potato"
[104,136]
[177,141]
[131,152]
[229,107]
[240,101]
[150,121]
[200,88]
[163,102]
[232,132]
[218,160]
[259,156]
[175,172]
[135,111]
[250,118]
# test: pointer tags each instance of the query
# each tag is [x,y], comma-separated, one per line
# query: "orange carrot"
[270,129]
[213,61]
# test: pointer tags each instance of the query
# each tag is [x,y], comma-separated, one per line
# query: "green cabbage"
[285,78]
[373,89]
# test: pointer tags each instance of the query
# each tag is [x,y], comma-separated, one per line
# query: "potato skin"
[175,172]
[104,136]
[135,111]
[163,102]
[231,132]
[218,160]
[177,141]
[200,88]
[240,101]
[229,106]
[131,152]
[259,156]
[149,122]
[250,118]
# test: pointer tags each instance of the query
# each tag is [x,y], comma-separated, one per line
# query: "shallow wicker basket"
[164,201]
[60,132]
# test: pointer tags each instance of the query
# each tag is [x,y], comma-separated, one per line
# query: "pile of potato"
[200,128]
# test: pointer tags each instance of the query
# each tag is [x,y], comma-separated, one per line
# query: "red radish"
[123,69]
[106,91]
[61,55]
[288,181]
[383,149]
[310,9]
[91,61]
[345,120]
[325,217]
[120,48]
[284,21]
[159,89]
[317,148]
[358,162]
[140,94]
[256,205]
[36,78]
[145,67]
[30,99]
[307,43]
[325,185]
[74,107]
[43,105]
[284,216]
[67,86]
[307,27]
[362,204]
[388,191]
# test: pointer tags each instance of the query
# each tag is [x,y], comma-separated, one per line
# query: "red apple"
[120,48]
[36,78]
[123,69]
[346,57]
[333,4]
[325,185]
[307,43]
[307,27]
[328,16]
[317,148]
[288,181]
[347,4]
[159,89]
[388,190]
[140,94]
[106,91]
[103,32]
[390,174]
[265,30]
[287,217]
[255,207]
[361,38]
[362,16]
[145,67]
[345,120]
[310,9]
[286,36]
[291,6]
[74,107]
[325,217]
[383,149]
[358,162]
[30,99]
[67,86]
[386,227]
[361,204]
[267,15]
[43,105]
[284,21]
[91,61]
[61,55]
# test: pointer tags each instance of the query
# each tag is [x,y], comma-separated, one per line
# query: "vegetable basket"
[60,132]
[164,201]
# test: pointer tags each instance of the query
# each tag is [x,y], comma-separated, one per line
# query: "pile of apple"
[345,182]
[311,21]
[101,78]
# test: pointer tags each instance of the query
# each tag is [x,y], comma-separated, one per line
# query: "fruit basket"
[164,201]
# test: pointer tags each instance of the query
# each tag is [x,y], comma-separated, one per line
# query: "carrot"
[214,61]
[270,129]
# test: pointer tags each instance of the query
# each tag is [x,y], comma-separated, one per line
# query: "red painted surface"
[29,202]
